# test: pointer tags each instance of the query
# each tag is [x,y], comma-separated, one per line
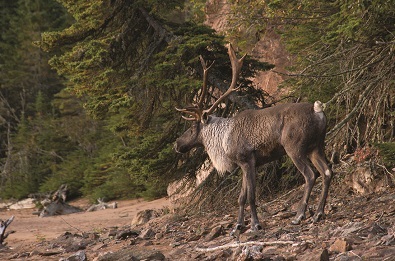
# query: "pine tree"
[27,85]
[133,63]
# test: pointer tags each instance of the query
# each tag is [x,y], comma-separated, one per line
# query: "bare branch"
[3,227]
[362,99]
[250,243]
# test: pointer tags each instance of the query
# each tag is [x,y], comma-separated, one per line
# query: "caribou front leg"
[242,201]
[251,187]
[247,192]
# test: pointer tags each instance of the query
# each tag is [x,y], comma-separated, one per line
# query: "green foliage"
[132,79]
[126,65]
[387,152]
[27,84]
[342,55]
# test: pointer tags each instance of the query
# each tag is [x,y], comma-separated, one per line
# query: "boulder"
[144,216]
[23,204]
[341,245]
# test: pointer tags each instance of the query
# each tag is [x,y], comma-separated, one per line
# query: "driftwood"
[58,208]
[3,227]
[238,244]
[56,204]
[102,205]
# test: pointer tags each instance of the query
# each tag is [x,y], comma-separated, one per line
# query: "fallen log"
[3,227]
[58,208]
[56,204]
[102,205]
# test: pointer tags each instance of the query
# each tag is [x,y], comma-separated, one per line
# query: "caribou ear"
[205,117]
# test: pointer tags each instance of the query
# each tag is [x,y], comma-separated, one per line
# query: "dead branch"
[3,227]
[361,101]
[102,205]
[250,243]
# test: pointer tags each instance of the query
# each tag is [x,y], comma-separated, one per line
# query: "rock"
[112,233]
[215,232]
[348,229]
[6,204]
[26,203]
[147,234]
[75,246]
[127,234]
[340,245]
[98,247]
[299,247]
[79,256]
[179,190]
[379,253]
[175,244]
[148,243]
[194,238]
[144,216]
[363,180]
[159,236]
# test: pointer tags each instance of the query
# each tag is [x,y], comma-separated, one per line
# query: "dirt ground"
[357,227]
[30,228]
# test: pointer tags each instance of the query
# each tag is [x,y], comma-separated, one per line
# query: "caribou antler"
[204,88]
[197,110]
[236,68]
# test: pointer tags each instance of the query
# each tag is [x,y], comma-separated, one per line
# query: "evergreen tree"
[343,55]
[27,85]
[133,62]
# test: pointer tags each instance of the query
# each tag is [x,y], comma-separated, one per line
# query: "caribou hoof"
[297,220]
[317,217]
[236,231]
[256,227]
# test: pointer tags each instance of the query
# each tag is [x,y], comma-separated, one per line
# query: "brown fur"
[255,137]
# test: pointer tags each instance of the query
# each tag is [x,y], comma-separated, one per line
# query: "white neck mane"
[215,137]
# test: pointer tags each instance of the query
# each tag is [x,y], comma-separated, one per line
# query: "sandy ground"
[30,228]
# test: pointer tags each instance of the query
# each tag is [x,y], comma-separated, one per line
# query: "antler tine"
[194,111]
[204,87]
[236,68]
[189,118]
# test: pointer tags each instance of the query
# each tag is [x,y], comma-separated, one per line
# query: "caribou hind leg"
[302,164]
[319,161]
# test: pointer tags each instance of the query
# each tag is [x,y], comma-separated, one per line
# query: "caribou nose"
[180,148]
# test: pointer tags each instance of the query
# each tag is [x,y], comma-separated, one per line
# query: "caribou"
[257,136]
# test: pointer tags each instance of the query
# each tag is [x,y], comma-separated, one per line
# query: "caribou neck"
[216,131]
